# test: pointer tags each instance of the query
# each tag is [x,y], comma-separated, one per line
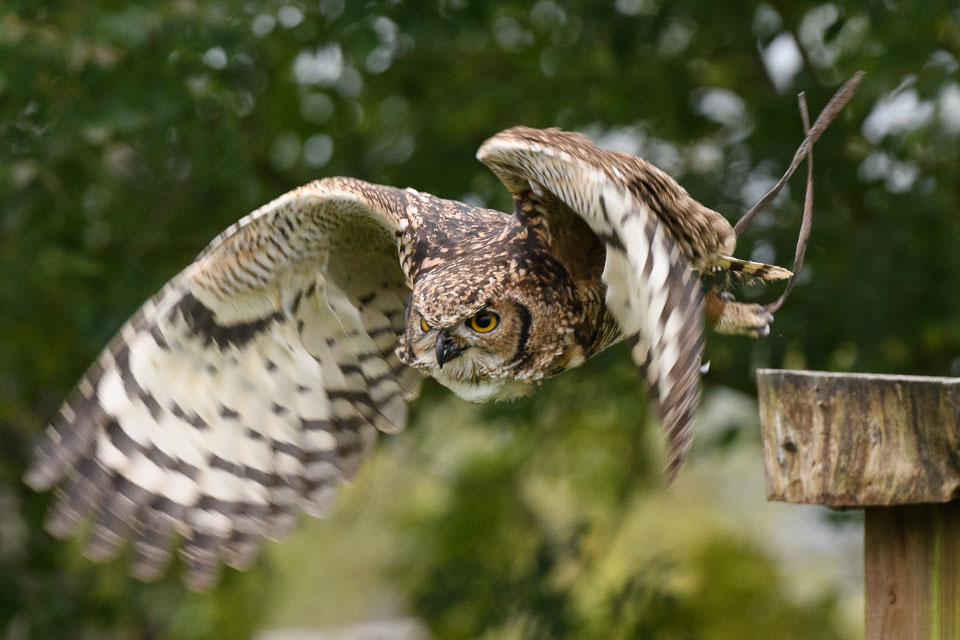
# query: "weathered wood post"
[890,444]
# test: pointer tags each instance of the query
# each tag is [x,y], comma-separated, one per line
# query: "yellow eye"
[484,322]
[424,326]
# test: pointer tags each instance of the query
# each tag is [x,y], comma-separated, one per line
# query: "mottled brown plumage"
[250,386]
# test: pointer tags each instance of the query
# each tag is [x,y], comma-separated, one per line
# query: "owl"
[252,384]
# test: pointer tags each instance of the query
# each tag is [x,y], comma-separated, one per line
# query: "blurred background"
[132,132]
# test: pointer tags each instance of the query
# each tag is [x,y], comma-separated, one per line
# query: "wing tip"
[391,416]
[671,471]
[56,452]
[674,464]
[41,475]
[62,521]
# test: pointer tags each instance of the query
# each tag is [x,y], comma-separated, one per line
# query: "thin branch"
[807,221]
[836,104]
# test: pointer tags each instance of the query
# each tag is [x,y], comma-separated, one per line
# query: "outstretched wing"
[654,234]
[246,389]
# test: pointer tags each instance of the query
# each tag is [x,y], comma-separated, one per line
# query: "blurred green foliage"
[132,132]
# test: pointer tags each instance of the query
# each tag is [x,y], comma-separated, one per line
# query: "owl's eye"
[424,326]
[484,322]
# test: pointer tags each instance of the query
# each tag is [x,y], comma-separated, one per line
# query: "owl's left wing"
[653,233]
[246,389]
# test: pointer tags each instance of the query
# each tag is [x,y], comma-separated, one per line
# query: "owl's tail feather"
[750,269]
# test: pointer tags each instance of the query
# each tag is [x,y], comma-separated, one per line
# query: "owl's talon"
[743,319]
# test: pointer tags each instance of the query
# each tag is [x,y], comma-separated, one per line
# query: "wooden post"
[890,444]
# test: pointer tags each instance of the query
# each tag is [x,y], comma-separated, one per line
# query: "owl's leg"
[730,317]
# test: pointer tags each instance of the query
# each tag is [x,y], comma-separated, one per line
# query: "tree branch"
[836,104]
[807,221]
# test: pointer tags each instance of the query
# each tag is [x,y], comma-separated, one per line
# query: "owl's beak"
[447,349]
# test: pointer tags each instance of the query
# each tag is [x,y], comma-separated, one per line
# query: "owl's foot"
[737,318]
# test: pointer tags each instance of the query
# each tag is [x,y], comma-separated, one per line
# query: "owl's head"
[490,333]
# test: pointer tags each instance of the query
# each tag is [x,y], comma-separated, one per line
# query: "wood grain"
[912,558]
[889,443]
[859,439]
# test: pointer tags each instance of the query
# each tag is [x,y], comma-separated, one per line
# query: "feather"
[248,388]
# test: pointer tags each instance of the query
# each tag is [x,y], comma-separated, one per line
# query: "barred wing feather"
[652,292]
[246,390]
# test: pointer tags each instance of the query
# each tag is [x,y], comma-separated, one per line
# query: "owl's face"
[496,316]
[476,355]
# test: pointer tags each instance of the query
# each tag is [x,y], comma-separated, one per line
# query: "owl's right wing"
[246,389]
[653,233]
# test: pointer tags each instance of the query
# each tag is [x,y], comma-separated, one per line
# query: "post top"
[856,439]
[852,375]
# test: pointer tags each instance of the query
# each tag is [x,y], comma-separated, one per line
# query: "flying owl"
[253,383]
